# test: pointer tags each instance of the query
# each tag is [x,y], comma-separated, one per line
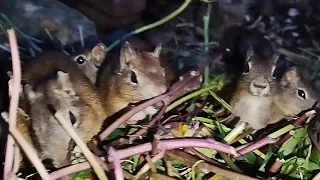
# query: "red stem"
[143,130]
[256,145]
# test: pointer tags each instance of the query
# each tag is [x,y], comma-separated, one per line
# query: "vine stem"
[206,21]
[153,25]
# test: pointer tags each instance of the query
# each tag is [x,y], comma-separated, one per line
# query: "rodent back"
[49,63]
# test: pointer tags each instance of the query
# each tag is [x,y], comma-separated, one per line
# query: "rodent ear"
[157,50]
[64,82]
[290,77]
[98,52]
[63,78]
[127,53]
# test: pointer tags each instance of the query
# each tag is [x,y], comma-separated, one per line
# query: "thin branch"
[14,100]
[31,153]
[190,160]
[86,152]
[257,145]
[117,164]
[79,168]
[142,131]
[169,144]
[146,167]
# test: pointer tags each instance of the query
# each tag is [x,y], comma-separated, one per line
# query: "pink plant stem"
[256,145]
[185,116]
[70,170]
[14,101]
[117,164]
[298,123]
[170,144]
[154,160]
[143,130]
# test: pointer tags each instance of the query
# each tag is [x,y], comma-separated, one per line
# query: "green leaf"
[132,130]
[289,165]
[309,166]
[117,134]
[82,175]
[266,159]
[177,164]
[291,144]
[250,158]
[200,176]
[129,167]
[207,152]
[314,157]
[135,160]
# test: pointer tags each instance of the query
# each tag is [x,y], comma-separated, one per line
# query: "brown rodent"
[55,94]
[93,109]
[293,95]
[136,76]
[289,96]
[252,98]
[140,75]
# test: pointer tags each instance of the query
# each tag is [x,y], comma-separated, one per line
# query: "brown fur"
[287,102]
[253,109]
[115,90]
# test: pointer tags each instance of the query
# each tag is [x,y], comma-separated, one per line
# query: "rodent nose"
[260,87]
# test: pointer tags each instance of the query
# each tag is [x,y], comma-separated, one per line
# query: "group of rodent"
[87,93]
[261,98]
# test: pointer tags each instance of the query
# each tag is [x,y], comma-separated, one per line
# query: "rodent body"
[252,98]
[259,98]
[57,93]
[135,77]
[43,128]
[288,96]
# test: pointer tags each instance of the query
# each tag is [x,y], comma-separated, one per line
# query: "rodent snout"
[260,87]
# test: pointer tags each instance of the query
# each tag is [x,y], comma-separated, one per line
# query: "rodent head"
[64,85]
[139,75]
[294,93]
[90,61]
[259,74]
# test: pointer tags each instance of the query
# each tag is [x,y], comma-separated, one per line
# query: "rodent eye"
[301,93]
[80,59]
[73,118]
[134,77]
[247,68]
[273,74]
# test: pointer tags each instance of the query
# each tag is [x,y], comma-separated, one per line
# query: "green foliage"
[82,175]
